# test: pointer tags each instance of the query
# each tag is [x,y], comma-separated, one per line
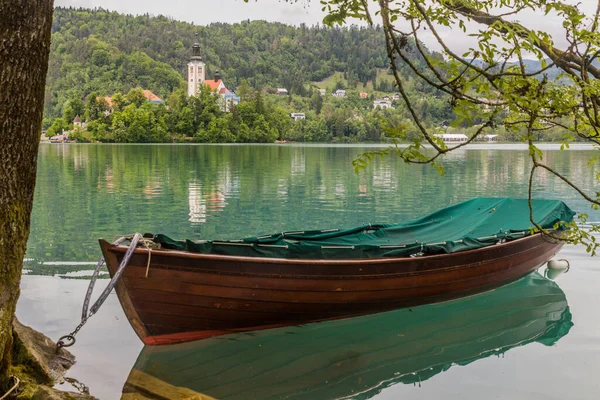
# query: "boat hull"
[360,357]
[185,296]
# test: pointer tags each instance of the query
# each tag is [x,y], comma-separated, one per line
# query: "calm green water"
[85,192]
[537,339]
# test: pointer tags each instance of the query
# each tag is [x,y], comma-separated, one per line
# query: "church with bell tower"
[197,78]
[196,70]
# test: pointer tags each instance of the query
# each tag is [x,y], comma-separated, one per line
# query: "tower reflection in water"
[355,357]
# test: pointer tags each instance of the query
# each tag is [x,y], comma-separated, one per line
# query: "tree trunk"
[24,48]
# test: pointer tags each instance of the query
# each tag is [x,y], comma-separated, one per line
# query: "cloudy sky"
[202,12]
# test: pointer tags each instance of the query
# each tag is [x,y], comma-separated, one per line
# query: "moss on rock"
[39,366]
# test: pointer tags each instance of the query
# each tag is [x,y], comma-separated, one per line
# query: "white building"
[196,70]
[282,91]
[322,92]
[297,116]
[382,104]
[453,137]
[339,93]
[228,100]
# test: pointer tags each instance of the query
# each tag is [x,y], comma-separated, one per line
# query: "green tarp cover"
[469,225]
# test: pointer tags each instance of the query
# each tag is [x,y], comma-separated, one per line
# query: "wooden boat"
[173,296]
[355,358]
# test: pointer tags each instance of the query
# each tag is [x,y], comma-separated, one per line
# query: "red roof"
[107,99]
[151,96]
[214,85]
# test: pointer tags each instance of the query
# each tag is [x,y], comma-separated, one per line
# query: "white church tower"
[196,70]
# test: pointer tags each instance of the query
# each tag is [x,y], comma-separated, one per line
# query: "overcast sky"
[203,12]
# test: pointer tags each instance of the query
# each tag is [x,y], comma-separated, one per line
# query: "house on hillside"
[322,92]
[109,104]
[282,91]
[152,98]
[339,93]
[364,95]
[382,104]
[197,77]
[297,116]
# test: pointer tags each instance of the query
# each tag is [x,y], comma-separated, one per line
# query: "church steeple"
[196,69]
[196,50]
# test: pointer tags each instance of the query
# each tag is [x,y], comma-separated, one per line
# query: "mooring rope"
[147,244]
[69,340]
[15,386]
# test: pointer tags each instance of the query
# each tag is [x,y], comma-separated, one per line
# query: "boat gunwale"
[388,275]
[315,261]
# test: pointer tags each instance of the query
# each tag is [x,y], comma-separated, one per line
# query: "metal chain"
[88,295]
[69,340]
[90,290]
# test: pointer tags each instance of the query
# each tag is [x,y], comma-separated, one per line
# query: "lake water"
[534,339]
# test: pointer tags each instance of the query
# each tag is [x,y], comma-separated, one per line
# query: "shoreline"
[475,146]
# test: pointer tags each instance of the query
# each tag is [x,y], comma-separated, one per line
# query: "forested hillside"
[107,52]
[97,53]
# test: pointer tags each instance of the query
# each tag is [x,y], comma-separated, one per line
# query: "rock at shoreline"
[37,353]
[39,366]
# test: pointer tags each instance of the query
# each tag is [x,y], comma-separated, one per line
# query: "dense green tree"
[316,103]
[135,97]
[73,108]
[96,107]
[58,126]
[244,90]
[183,122]
[119,102]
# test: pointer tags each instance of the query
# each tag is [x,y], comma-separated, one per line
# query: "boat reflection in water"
[355,357]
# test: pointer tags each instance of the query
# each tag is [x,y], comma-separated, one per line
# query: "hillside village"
[312,101]
[224,101]
[246,82]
